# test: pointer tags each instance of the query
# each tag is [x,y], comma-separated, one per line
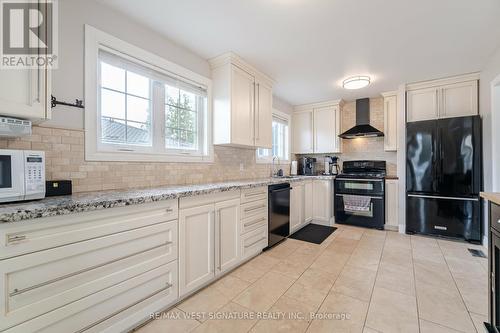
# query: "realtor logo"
[28,34]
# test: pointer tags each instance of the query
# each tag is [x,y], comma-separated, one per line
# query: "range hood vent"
[363,129]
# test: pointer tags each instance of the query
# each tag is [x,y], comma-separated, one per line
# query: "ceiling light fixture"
[356,82]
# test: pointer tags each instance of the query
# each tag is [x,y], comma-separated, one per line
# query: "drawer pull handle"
[248,195]
[16,291]
[86,328]
[254,208]
[254,222]
[15,238]
[498,221]
[169,210]
[257,241]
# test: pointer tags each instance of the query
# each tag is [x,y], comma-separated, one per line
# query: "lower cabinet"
[391,204]
[197,246]
[322,201]
[209,239]
[308,201]
[297,207]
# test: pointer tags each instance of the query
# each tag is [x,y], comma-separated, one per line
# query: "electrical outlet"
[242,167]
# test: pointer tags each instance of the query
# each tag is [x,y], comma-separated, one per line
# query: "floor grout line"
[415,282]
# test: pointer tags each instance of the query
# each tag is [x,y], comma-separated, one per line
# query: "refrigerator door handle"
[440,197]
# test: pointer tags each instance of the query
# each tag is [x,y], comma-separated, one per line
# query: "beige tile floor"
[358,280]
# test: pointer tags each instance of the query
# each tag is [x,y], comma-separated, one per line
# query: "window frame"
[269,159]
[96,40]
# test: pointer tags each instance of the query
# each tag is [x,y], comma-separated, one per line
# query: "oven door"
[372,216]
[11,175]
[359,186]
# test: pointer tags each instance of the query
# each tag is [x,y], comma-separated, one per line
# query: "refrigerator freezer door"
[459,171]
[451,217]
[421,156]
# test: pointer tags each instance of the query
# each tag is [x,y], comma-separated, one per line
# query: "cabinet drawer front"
[254,194]
[254,222]
[42,281]
[61,230]
[104,308]
[253,242]
[253,208]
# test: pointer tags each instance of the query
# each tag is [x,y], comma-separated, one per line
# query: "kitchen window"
[281,140]
[144,110]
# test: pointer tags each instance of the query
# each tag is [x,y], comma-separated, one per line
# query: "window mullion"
[158,116]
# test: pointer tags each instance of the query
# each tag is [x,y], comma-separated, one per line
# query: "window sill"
[144,157]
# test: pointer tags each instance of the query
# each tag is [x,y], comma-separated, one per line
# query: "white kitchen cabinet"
[197,247]
[227,234]
[296,207]
[25,93]
[322,201]
[308,201]
[443,98]
[326,130]
[303,132]
[242,103]
[391,204]
[390,121]
[316,128]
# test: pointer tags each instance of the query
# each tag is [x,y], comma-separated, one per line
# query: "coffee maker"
[335,165]
[306,166]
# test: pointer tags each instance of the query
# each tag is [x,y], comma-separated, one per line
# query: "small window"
[281,141]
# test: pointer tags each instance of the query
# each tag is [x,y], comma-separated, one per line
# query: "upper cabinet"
[390,121]
[25,93]
[242,103]
[316,128]
[444,98]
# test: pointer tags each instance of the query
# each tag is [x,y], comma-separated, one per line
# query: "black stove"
[360,194]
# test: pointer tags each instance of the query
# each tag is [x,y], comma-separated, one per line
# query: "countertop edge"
[491,196]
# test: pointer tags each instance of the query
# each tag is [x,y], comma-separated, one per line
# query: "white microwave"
[22,175]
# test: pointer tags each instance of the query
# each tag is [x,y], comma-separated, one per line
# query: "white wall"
[67,80]
[491,127]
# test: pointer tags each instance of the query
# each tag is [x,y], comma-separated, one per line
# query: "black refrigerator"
[444,177]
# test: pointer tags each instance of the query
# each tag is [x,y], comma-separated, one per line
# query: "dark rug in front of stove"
[313,233]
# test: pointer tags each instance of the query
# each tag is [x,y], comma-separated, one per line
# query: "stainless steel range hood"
[363,129]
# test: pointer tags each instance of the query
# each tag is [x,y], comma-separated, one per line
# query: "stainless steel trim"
[16,291]
[363,180]
[250,245]
[361,195]
[15,238]
[246,210]
[168,286]
[440,197]
[254,222]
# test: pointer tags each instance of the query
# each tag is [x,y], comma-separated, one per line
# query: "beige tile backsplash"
[65,159]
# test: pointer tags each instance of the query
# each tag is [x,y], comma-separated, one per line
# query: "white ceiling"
[309,46]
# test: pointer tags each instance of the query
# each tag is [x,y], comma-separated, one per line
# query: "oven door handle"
[367,180]
[375,198]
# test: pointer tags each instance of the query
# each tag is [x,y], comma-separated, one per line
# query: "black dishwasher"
[279,213]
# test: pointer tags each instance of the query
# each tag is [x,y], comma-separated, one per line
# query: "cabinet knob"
[169,210]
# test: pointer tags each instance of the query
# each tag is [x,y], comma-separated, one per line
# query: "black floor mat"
[313,233]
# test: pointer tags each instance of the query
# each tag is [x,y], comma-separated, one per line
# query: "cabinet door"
[296,209]
[196,247]
[326,130]
[322,201]
[242,107]
[303,132]
[390,123]
[459,99]
[264,116]
[422,104]
[391,204]
[227,234]
[24,93]
[308,201]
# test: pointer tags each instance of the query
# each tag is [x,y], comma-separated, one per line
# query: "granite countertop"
[491,196]
[89,201]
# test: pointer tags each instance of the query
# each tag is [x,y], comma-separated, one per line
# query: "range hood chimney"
[363,129]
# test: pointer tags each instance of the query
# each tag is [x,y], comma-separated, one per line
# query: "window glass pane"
[112,104]
[187,120]
[112,77]
[137,85]
[171,117]
[187,100]
[138,133]
[172,137]
[171,95]
[181,128]
[138,109]
[113,130]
